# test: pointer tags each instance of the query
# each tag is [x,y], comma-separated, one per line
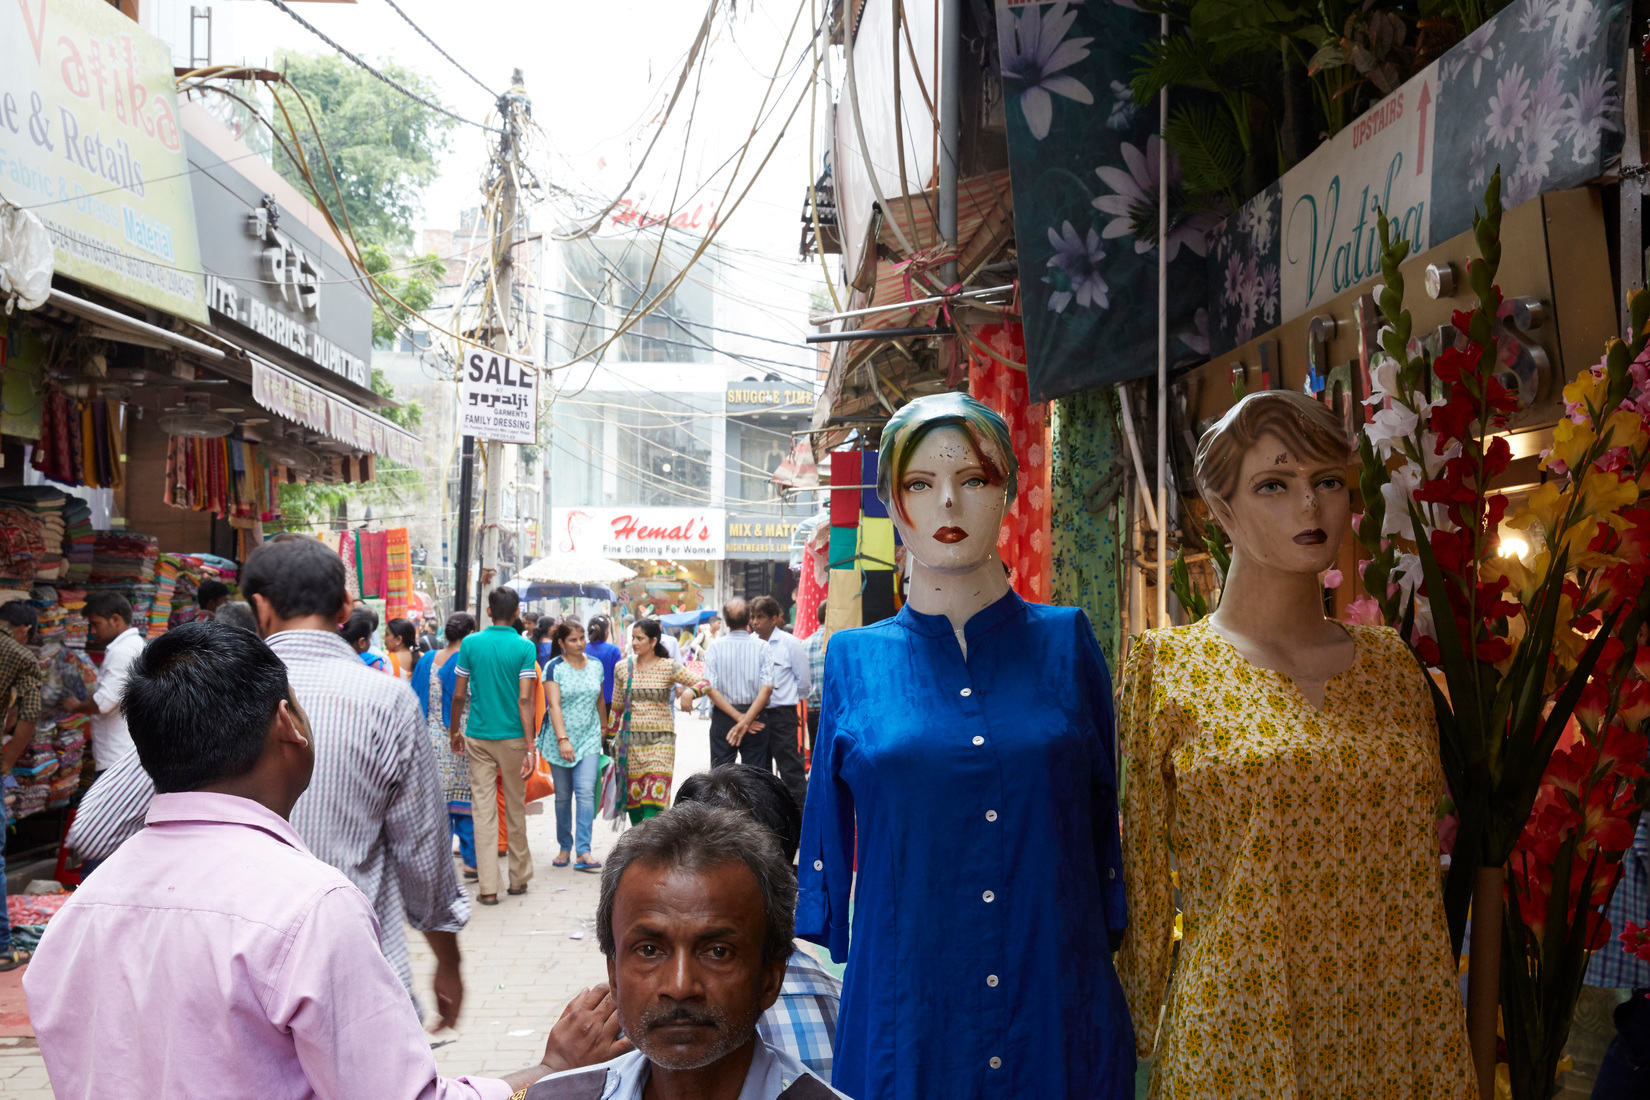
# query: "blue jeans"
[580,777]
[464,828]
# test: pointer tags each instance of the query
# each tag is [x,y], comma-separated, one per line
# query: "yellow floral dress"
[1316,962]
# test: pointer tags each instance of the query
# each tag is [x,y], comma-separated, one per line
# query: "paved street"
[523,960]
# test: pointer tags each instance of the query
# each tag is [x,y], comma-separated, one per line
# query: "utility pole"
[514,107]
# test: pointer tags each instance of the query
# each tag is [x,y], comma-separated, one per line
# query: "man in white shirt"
[785,680]
[109,621]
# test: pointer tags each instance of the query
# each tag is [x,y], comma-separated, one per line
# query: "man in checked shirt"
[19,709]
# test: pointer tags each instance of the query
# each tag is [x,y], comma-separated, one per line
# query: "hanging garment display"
[1086,484]
[80,441]
[398,573]
[1024,540]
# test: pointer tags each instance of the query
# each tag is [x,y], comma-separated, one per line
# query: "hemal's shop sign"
[89,141]
[640,532]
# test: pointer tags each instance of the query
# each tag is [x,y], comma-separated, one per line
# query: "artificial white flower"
[1078,259]
[1038,49]
[1508,107]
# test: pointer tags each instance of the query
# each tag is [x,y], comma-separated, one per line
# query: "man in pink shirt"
[212,955]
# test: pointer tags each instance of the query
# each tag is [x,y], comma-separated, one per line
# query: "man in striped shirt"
[374,808]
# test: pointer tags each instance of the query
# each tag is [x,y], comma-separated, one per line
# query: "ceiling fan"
[195,419]
[289,452]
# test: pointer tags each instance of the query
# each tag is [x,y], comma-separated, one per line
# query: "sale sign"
[498,398]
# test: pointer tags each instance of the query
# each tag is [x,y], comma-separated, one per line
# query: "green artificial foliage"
[1256,85]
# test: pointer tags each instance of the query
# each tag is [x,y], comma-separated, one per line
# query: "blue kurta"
[990,891]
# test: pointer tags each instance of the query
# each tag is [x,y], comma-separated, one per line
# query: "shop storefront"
[200,344]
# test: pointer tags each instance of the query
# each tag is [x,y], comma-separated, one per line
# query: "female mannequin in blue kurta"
[977,767]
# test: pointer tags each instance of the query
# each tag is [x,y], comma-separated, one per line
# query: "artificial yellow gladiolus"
[1542,507]
[1626,430]
[1571,443]
[1587,391]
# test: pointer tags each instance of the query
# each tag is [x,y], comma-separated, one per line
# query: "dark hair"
[737,613]
[298,575]
[822,609]
[19,613]
[564,630]
[198,701]
[597,630]
[766,605]
[695,837]
[653,630]
[210,590]
[502,604]
[403,629]
[750,790]
[238,615]
[108,605]
[359,627]
[542,627]
[459,623]
[530,617]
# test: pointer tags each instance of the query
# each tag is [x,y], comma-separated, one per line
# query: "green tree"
[382,145]
[383,149]
[414,282]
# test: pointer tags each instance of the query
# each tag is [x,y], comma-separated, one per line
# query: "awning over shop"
[282,392]
[985,220]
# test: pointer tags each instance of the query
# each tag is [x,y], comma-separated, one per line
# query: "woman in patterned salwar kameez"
[647,678]
[1290,766]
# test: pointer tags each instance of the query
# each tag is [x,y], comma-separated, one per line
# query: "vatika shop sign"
[640,532]
[1535,89]
[89,141]
[499,398]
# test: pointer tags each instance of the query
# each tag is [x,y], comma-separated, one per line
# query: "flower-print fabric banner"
[1535,90]
[1023,543]
[1084,163]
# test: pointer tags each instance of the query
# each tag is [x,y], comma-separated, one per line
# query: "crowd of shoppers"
[354,790]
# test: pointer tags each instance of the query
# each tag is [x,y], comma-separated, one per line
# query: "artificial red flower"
[1453,362]
[1493,650]
[1496,457]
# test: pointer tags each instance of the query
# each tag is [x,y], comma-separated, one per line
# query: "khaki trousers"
[490,762]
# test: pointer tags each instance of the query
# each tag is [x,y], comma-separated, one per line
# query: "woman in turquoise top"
[571,740]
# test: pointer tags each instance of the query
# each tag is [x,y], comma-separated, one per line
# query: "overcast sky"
[598,73]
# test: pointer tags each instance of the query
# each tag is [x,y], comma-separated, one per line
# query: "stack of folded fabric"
[22,546]
[123,557]
[213,567]
[79,541]
[45,503]
[166,580]
[73,602]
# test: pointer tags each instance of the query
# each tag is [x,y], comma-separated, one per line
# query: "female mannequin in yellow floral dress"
[1290,765]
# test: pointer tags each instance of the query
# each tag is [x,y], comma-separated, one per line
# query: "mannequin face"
[1287,513]
[947,512]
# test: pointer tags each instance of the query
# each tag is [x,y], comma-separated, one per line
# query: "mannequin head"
[1273,471]
[947,473]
